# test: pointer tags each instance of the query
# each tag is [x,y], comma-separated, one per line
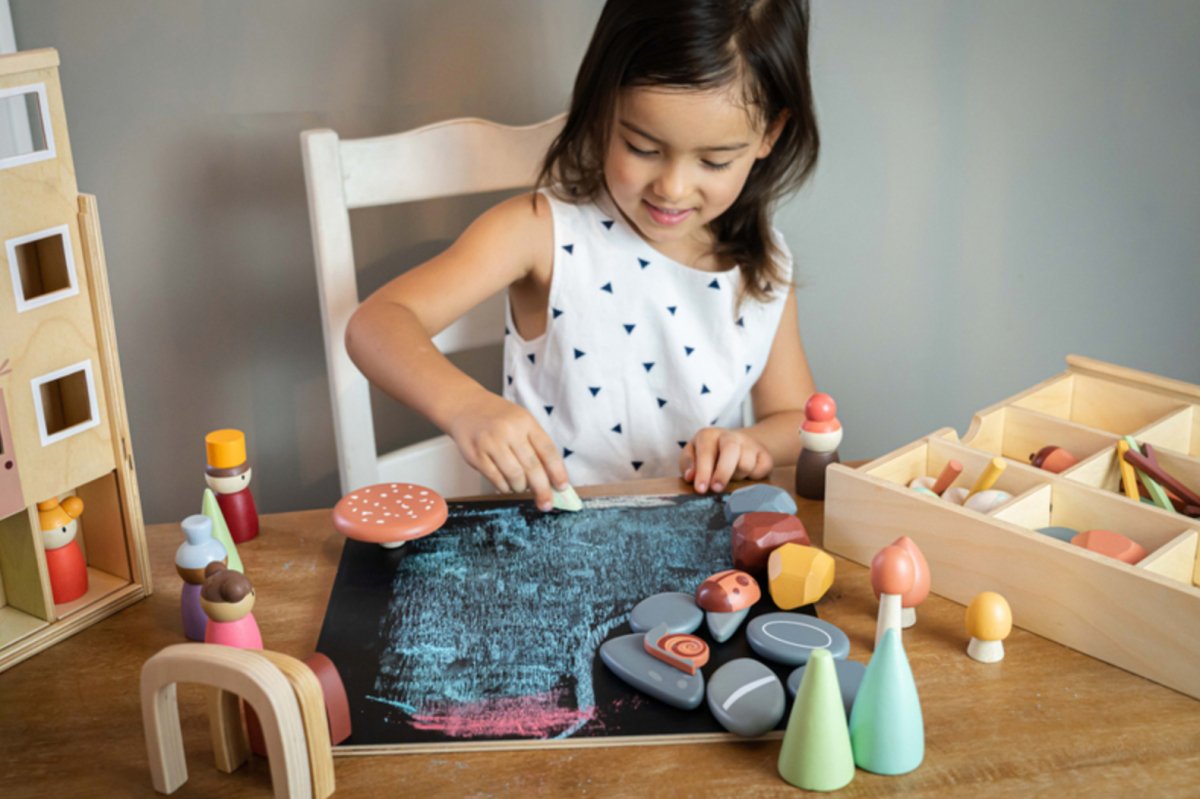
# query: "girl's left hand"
[715,456]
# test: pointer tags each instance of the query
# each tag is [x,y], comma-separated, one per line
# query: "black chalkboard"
[487,631]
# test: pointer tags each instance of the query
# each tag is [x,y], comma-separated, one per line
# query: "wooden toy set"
[1143,616]
[72,543]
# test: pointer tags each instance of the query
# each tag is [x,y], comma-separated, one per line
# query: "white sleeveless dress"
[639,353]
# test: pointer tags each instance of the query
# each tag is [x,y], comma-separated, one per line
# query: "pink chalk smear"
[538,716]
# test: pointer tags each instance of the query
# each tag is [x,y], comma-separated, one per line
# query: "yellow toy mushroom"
[989,621]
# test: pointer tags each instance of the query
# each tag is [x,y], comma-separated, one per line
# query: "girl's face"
[677,159]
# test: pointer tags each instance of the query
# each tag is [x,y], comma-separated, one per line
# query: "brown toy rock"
[758,533]
[728,592]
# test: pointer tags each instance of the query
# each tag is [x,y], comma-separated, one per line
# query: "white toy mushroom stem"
[890,616]
[985,651]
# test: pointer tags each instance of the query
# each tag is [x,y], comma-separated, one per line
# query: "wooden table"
[1045,721]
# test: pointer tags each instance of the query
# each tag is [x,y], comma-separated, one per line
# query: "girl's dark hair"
[699,44]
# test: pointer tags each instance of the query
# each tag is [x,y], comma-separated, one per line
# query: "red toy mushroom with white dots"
[389,514]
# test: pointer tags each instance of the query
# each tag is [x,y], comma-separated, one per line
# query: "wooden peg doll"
[191,560]
[228,475]
[64,558]
[228,599]
[820,436]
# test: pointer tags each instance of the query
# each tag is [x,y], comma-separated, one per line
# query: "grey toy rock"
[626,657]
[758,497]
[676,610]
[746,697]
[790,638]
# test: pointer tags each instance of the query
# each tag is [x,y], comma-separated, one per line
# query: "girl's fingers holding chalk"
[535,476]
[547,452]
[509,465]
[487,467]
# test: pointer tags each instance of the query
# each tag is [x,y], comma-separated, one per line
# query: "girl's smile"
[666,217]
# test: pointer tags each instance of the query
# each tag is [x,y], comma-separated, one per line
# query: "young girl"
[647,292]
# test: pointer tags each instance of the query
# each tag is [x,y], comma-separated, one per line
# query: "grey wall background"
[999,185]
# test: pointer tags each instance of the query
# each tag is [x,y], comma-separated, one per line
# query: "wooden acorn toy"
[820,436]
[227,598]
[228,475]
[191,561]
[64,558]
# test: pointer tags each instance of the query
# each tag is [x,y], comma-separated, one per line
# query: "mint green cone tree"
[220,531]
[887,730]
[816,753]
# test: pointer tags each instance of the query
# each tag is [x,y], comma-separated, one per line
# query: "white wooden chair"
[461,156]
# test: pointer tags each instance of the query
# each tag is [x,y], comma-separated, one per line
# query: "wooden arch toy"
[284,693]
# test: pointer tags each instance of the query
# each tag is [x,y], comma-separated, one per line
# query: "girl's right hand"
[506,445]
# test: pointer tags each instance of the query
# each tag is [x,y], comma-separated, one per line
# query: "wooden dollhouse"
[63,428]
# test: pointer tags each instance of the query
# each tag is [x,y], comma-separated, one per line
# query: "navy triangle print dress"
[639,353]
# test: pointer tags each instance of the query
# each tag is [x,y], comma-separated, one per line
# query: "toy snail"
[64,558]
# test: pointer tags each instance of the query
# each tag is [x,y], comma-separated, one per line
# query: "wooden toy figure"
[64,558]
[191,560]
[228,475]
[227,599]
[820,436]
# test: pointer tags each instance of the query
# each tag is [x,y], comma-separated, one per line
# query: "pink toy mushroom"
[920,587]
[892,575]
[389,514]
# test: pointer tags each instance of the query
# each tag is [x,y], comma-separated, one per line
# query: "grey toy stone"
[678,611]
[722,626]
[849,674]
[746,697]
[758,497]
[1061,533]
[790,638]
[627,658]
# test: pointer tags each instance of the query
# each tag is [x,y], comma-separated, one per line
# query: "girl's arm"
[715,456]
[389,338]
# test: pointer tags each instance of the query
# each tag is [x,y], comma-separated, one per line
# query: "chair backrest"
[461,156]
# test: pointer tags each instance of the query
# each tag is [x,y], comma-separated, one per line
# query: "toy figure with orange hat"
[228,475]
[64,558]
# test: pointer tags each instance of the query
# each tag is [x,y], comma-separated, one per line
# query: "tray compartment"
[1100,404]
[1018,433]
[929,456]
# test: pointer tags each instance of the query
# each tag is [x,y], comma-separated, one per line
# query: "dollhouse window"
[25,133]
[65,401]
[42,267]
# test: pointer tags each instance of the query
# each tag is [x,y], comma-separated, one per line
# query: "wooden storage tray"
[1144,618]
